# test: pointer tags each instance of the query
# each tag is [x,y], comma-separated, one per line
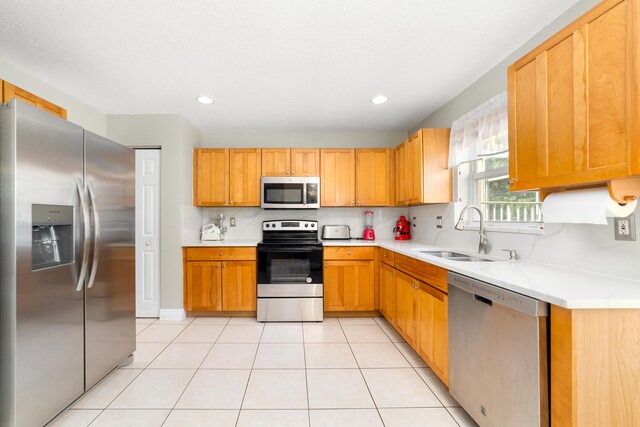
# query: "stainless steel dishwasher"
[498,354]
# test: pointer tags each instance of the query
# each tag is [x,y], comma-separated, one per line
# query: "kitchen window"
[479,153]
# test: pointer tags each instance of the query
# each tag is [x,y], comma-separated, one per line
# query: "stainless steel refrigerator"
[67,291]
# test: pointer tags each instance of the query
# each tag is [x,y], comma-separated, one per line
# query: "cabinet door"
[437,175]
[387,293]
[337,177]
[348,286]
[433,330]
[305,162]
[374,176]
[203,287]
[211,177]
[10,92]
[238,285]
[244,176]
[414,169]
[406,306]
[571,103]
[276,162]
[401,174]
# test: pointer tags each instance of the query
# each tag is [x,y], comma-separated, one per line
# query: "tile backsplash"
[249,220]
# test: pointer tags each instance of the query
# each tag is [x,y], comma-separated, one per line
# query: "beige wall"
[302,139]
[77,111]
[176,137]
[495,81]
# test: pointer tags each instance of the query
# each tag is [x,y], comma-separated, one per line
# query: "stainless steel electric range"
[290,272]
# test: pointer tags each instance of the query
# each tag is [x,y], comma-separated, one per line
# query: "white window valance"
[481,132]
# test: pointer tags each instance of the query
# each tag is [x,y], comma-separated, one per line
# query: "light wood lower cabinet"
[406,306]
[219,279]
[387,293]
[349,279]
[433,329]
[348,286]
[414,301]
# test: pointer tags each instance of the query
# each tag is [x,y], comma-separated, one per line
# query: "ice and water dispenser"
[51,236]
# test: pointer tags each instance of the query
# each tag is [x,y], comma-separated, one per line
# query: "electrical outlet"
[438,222]
[414,222]
[232,221]
[625,228]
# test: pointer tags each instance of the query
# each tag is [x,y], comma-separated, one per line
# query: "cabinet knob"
[511,182]
[231,202]
[293,173]
[358,202]
[287,172]
[353,202]
[224,264]
[220,253]
[226,202]
[348,252]
[384,256]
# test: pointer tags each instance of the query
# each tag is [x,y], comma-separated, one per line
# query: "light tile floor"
[221,372]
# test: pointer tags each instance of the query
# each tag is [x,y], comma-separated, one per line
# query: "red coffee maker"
[401,230]
[368,233]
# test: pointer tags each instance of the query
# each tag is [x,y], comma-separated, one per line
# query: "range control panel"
[289,225]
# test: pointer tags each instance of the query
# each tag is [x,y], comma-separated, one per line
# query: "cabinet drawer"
[340,252]
[433,275]
[230,254]
[387,256]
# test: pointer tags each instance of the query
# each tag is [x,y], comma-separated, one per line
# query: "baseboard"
[172,314]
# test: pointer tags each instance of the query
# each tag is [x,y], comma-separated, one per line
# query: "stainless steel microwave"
[288,192]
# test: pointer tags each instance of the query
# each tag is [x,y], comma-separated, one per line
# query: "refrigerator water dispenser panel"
[52,236]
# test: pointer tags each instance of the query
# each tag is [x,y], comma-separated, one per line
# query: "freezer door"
[41,340]
[110,288]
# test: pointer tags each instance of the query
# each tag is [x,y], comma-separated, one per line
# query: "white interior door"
[147,233]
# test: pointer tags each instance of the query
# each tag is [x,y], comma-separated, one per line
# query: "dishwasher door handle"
[483,299]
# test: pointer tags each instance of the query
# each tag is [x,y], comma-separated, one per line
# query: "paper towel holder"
[622,191]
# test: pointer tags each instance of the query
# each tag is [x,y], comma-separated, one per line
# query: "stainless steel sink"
[456,256]
[445,254]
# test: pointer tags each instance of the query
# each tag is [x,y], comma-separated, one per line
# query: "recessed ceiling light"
[380,99]
[204,100]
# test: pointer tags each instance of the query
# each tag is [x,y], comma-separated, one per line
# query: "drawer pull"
[348,252]
[220,253]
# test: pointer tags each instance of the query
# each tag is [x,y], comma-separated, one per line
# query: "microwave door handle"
[96,236]
[304,194]
[85,241]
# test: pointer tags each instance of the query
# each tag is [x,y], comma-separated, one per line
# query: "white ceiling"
[307,65]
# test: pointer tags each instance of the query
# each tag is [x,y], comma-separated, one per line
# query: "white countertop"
[221,243]
[560,286]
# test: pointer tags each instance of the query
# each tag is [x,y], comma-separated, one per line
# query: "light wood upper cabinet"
[226,177]
[337,177]
[290,162]
[244,176]
[305,162]
[211,177]
[276,161]
[574,116]
[422,172]
[10,92]
[375,173]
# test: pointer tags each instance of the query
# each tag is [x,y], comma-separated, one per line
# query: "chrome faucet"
[483,247]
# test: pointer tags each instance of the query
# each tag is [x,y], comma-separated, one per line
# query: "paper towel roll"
[591,206]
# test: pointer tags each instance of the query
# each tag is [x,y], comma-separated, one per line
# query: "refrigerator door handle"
[87,229]
[96,235]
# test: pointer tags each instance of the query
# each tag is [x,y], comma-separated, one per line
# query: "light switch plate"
[625,228]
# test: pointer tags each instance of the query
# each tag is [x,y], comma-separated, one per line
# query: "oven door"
[289,271]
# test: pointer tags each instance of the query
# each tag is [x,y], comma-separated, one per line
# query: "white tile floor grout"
[236,372]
